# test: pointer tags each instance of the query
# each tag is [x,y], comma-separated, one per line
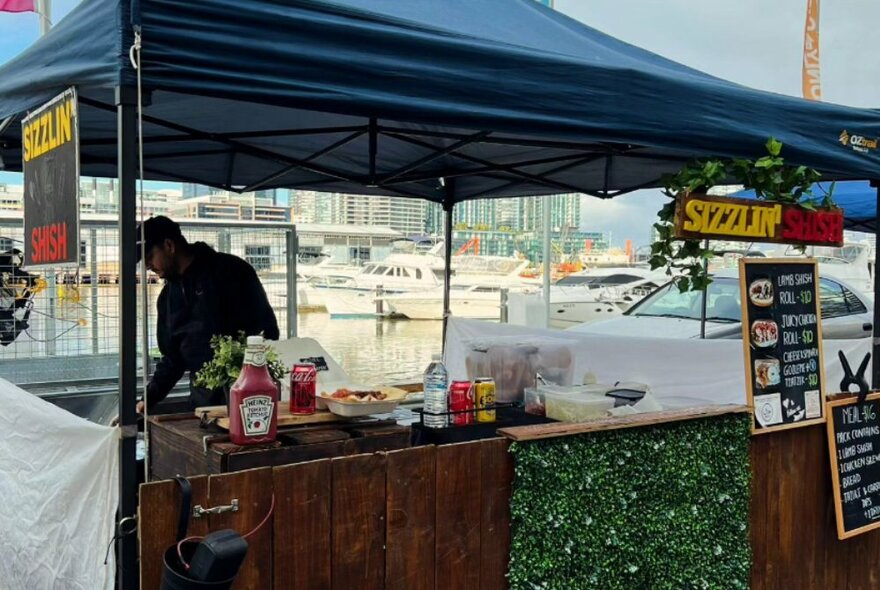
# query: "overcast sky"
[753,42]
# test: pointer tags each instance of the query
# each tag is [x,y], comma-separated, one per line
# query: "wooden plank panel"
[254,491]
[557,429]
[459,511]
[158,513]
[283,455]
[358,523]
[302,526]
[411,488]
[789,460]
[813,492]
[497,485]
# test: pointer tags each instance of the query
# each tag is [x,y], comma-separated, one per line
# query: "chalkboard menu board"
[854,444]
[782,341]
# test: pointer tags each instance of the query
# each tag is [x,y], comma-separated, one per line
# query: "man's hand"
[139,408]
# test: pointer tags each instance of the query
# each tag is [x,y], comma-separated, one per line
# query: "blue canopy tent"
[445,101]
[857,198]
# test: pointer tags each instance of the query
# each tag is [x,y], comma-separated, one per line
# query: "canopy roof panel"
[498,97]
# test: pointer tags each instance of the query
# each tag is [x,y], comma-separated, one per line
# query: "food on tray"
[351,395]
[767,373]
[765,333]
[761,292]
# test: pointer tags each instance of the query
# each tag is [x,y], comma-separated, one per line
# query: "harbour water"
[376,351]
[80,325]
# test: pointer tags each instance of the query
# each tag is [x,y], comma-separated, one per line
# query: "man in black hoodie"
[206,293]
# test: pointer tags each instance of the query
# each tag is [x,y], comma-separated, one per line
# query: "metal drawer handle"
[199,512]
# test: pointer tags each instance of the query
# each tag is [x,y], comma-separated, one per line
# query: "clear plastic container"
[534,401]
[576,407]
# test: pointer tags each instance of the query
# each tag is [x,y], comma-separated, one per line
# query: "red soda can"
[303,381]
[461,399]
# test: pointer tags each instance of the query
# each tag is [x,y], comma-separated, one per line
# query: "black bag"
[213,562]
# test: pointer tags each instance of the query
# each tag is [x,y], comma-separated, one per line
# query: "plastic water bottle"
[436,381]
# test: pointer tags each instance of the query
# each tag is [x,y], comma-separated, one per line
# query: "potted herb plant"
[221,371]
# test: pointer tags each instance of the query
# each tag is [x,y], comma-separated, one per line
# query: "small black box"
[218,557]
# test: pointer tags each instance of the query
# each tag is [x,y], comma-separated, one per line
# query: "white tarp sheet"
[58,496]
[680,372]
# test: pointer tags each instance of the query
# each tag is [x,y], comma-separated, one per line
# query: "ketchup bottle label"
[256,414]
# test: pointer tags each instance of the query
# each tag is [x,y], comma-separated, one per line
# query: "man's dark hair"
[156,230]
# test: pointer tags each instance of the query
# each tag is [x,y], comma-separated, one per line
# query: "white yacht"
[479,302]
[356,296]
[318,270]
[591,295]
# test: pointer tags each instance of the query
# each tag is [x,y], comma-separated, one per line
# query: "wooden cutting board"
[220,416]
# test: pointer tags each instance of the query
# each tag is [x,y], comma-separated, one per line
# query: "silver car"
[668,313]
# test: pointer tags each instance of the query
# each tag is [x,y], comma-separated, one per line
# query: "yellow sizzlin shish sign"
[50,154]
[699,216]
[51,129]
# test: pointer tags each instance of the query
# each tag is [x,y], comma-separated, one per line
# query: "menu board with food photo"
[782,342]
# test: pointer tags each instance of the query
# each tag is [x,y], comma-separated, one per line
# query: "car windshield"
[722,305]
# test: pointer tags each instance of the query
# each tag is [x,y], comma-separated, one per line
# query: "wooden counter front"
[180,446]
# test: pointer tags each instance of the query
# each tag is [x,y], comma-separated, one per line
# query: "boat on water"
[319,270]
[356,296]
[599,293]
[478,302]
[587,296]
[418,276]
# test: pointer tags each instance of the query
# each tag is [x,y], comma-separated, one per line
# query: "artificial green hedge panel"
[660,507]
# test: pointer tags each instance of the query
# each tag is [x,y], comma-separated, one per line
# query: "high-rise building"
[191,191]
[316,207]
[478,213]
[434,217]
[407,216]
[404,215]
[565,211]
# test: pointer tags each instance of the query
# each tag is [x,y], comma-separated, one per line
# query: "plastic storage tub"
[576,407]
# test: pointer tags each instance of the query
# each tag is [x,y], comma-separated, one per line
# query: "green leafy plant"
[225,367]
[769,177]
[663,507]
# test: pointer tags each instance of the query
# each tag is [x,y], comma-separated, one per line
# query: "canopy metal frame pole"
[448,206]
[126,103]
[705,298]
[875,342]
[547,203]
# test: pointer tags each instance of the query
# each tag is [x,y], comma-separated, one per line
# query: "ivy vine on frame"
[770,179]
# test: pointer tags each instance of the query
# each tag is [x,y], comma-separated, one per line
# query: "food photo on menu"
[767,373]
[761,292]
[765,333]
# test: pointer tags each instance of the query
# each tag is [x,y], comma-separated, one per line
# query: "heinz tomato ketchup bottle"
[253,399]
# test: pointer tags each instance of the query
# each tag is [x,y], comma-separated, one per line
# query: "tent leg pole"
[126,105]
[546,203]
[875,342]
[448,206]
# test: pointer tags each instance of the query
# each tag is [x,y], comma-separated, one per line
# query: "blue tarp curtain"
[858,199]
[506,97]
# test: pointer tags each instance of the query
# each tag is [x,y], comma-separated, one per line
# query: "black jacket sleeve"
[170,368]
[259,315]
